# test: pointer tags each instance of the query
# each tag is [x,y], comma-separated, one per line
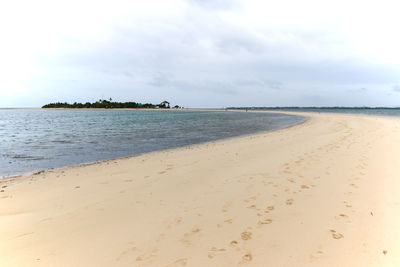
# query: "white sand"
[323,193]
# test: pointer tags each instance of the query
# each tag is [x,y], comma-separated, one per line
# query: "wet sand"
[322,193]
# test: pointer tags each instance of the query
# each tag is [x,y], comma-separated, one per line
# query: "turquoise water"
[33,140]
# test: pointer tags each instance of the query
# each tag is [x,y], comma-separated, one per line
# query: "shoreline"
[320,193]
[38,171]
[289,112]
[293,113]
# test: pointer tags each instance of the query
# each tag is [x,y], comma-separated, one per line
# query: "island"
[108,104]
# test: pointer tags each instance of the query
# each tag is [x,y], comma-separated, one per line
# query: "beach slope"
[322,193]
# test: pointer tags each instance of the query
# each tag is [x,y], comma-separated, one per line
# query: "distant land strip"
[109,104]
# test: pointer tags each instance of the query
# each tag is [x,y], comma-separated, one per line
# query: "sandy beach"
[322,193]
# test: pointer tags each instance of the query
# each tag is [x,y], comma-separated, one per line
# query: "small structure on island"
[164,104]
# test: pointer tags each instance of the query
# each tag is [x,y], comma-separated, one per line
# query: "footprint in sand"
[289,201]
[46,219]
[194,231]
[266,221]
[25,234]
[147,255]
[318,255]
[247,257]
[180,262]
[125,252]
[353,185]
[270,208]
[229,221]
[214,252]
[160,237]
[234,243]
[305,186]
[175,222]
[348,206]
[186,241]
[336,235]
[246,235]
[226,206]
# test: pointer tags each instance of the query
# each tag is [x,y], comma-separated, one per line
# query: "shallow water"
[386,112]
[33,140]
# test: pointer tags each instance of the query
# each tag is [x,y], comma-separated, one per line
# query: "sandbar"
[325,192]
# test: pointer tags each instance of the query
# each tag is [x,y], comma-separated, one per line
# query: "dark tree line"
[108,104]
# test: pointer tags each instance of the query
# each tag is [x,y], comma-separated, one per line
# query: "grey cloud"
[239,43]
[160,80]
[168,81]
[261,83]
[195,51]
[276,85]
[215,4]
[396,88]
[357,90]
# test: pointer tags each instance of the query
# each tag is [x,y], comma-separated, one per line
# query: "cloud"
[215,4]
[396,88]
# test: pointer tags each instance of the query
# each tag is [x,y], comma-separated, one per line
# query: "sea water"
[385,112]
[33,140]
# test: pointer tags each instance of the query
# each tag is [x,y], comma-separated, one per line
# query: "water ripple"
[33,140]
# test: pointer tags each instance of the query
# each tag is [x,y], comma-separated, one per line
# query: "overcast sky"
[201,53]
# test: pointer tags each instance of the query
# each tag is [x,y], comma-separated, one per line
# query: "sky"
[200,53]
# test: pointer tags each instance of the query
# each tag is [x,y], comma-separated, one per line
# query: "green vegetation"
[108,104]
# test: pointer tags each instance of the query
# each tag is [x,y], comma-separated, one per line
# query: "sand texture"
[322,193]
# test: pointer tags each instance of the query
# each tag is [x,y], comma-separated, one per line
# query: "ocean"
[386,112]
[34,140]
